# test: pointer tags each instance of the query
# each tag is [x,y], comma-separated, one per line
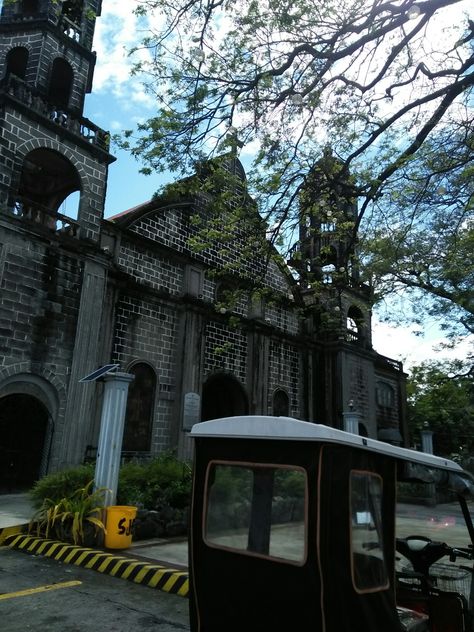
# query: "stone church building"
[80,292]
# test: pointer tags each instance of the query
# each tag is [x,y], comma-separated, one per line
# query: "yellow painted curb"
[169,580]
[7,531]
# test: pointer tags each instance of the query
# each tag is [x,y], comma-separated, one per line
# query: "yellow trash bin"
[119,523]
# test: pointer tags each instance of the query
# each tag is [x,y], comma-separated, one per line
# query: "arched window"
[328,273]
[139,413]
[29,7]
[17,61]
[355,324]
[385,395]
[226,297]
[47,179]
[60,85]
[328,263]
[281,403]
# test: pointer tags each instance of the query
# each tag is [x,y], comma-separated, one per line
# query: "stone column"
[114,405]
[189,393]
[79,409]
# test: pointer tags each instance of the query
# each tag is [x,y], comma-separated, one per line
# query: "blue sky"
[119,102]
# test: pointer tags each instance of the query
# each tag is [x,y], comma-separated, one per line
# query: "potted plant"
[75,518]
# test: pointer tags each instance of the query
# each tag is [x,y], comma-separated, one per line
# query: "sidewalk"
[15,509]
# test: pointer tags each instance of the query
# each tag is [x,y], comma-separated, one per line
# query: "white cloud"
[117,31]
[115,125]
[402,343]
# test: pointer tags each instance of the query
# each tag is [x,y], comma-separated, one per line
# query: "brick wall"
[226,350]
[146,330]
[40,291]
[146,266]
[285,372]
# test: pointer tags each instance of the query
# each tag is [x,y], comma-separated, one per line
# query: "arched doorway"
[23,431]
[223,396]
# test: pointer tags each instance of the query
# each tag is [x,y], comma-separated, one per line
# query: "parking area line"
[39,589]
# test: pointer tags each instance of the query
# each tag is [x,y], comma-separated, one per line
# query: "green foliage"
[422,250]
[163,481]
[441,398]
[68,517]
[289,484]
[390,95]
[60,485]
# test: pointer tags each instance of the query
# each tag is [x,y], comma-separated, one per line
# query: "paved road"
[81,600]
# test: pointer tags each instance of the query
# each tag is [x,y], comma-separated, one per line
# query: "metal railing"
[67,26]
[29,96]
[35,213]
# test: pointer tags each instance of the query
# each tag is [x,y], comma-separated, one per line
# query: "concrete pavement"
[159,563]
[38,594]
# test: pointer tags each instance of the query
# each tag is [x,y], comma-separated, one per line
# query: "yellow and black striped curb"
[168,579]
[5,532]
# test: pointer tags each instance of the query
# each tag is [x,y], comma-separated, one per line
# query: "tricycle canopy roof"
[412,465]
[288,429]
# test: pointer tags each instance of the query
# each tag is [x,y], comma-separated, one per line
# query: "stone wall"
[41,286]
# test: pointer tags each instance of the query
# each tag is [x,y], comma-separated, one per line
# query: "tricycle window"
[369,571]
[257,509]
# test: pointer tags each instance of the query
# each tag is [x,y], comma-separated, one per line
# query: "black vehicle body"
[293,527]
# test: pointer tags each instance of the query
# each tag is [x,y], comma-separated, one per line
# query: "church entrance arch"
[223,396]
[24,426]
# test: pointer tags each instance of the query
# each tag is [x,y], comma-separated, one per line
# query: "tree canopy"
[387,86]
[441,399]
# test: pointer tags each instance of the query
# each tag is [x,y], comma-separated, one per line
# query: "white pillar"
[112,422]
[351,421]
[427,446]
[427,441]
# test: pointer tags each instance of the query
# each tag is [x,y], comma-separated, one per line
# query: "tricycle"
[297,526]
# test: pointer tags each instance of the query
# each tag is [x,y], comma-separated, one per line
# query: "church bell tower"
[326,256]
[53,177]
[49,150]
[338,305]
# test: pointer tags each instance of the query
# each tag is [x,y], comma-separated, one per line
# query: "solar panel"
[98,373]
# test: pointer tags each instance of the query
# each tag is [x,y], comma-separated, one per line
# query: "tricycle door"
[356,540]
[250,560]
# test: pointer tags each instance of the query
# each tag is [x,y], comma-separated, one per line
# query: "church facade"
[80,292]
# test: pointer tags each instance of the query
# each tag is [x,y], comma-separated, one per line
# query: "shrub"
[164,481]
[74,517]
[60,485]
